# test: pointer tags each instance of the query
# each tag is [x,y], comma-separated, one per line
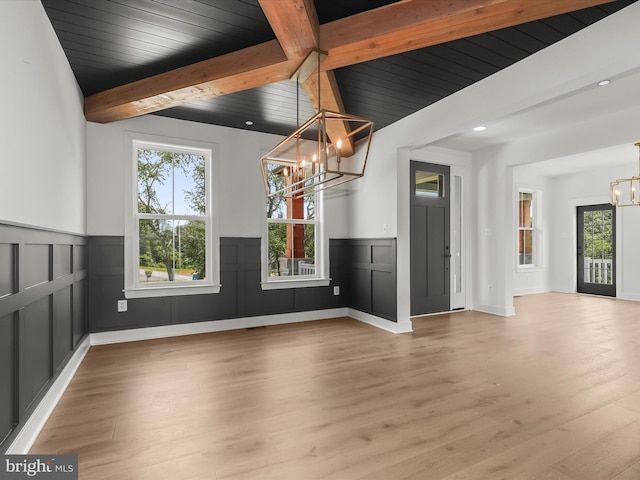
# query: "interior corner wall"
[42,214]
[592,188]
[373,198]
[494,251]
[43,180]
[242,211]
[536,279]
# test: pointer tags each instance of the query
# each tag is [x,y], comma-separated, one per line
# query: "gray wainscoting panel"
[7,274]
[79,317]
[62,326]
[372,276]
[35,353]
[364,269]
[35,265]
[8,417]
[360,289]
[62,264]
[241,294]
[42,316]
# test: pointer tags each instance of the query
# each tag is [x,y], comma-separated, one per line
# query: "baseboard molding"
[379,322]
[495,310]
[32,427]
[634,297]
[529,291]
[165,331]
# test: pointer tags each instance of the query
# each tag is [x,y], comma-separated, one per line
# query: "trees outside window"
[291,229]
[171,239]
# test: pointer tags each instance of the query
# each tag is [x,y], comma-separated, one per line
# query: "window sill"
[297,283]
[530,268]
[172,291]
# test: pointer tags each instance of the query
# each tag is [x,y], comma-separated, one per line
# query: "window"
[429,184]
[528,227]
[293,245]
[171,247]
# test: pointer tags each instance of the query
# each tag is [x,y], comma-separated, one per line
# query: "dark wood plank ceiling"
[114,42]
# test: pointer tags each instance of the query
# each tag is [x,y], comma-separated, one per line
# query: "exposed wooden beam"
[330,99]
[389,30]
[413,24]
[241,70]
[295,23]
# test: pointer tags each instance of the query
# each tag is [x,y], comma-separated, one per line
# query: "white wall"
[591,188]
[42,126]
[571,66]
[241,196]
[536,279]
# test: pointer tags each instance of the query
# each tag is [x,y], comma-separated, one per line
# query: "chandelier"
[625,191]
[311,159]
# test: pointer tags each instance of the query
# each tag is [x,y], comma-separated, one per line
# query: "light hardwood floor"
[552,393]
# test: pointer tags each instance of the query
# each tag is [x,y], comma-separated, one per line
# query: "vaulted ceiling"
[227,62]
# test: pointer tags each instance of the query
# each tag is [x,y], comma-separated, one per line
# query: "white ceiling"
[613,156]
[580,105]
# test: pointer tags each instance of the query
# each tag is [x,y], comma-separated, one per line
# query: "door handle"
[579,250]
[447,255]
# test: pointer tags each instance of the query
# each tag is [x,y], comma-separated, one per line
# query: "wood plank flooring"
[552,393]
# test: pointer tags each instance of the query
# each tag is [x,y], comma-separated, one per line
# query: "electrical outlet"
[336,290]
[122,305]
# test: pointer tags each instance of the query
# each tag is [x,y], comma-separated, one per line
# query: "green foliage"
[277,244]
[161,240]
[598,234]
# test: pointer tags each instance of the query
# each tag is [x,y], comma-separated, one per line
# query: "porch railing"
[598,270]
[305,268]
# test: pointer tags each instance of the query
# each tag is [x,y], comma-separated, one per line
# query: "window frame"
[321,257]
[211,284]
[536,230]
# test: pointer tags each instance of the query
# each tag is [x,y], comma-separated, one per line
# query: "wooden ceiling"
[226,62]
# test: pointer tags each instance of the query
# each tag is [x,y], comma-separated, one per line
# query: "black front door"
[430,252]
[597,249]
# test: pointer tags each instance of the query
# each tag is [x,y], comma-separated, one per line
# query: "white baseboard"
[165,331]
[634,297]
[149,333]
[382,323]
[529,291]
[495,310]
[31,429]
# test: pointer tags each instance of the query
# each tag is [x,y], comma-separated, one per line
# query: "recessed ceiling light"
[479,128]
[604,82]
[248,123]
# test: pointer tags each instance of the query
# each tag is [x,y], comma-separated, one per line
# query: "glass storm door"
[597,250]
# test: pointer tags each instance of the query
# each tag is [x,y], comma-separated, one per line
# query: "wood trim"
[413,24]
[330,99]
[295,23]
[242,70]
[389,30]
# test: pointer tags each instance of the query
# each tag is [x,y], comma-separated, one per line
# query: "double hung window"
[172,245]
[293,245]
[528,228]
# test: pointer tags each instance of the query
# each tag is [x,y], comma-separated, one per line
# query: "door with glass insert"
[597,250]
